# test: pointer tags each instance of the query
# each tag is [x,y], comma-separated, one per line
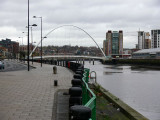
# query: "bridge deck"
[69,56]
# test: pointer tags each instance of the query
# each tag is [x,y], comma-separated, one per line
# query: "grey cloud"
[95,16]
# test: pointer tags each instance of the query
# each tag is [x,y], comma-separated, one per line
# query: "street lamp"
[20,46]
[26,33]
[41,37]
[22,39]
[28,36]
[34,25]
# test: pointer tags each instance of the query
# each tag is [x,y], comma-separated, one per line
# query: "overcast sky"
[94,16]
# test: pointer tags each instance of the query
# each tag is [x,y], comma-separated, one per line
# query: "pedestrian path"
[29,95]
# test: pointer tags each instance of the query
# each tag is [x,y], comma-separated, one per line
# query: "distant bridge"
[69,57]
[68,26]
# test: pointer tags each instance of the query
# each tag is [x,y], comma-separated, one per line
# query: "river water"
[137,87]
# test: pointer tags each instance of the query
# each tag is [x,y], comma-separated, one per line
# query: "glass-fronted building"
[113,43]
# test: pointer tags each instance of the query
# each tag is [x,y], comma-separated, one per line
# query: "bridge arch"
[71,26]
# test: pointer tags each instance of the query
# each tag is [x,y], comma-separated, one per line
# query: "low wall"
[134,61]
[124,108]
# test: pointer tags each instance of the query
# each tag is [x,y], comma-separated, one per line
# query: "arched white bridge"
[65,26]
[69,57]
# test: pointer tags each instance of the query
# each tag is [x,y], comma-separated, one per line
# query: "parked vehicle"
[1,65]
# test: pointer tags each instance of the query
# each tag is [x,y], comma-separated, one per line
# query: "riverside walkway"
[29,95]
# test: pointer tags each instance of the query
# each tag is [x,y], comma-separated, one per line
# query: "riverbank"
[105,110]
[112,108]
[140,63]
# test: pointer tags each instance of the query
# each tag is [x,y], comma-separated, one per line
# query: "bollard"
[54,70]
[81,67]
[55,82]
[77,76]
[75,101]
[68,64]
[80,112]
[83,62]
[75,96]
[76,83]
[63,63]
[79,72]
[75,91]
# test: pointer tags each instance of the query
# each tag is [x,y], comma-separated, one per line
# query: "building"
[24,48]
[104,45]
[3,52]
[12,46]
[147,54]
[15,47]
[143,40]
[155,38]
[147,44]
[113,45]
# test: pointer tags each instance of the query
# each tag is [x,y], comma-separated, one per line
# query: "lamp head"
[34,25]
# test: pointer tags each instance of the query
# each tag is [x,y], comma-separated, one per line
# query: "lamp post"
[26,32]
[34,25]
[22,40]
[41,37]
[32,39]
[20,46]
[28,36]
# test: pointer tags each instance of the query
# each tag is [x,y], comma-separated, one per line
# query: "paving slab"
[62,111]
[29,95]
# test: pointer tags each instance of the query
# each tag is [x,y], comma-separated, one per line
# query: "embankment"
[124,108]
[145,63]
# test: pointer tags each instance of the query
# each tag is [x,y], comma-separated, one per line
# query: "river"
[137,87]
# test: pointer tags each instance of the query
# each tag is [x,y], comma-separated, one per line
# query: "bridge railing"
[88,97]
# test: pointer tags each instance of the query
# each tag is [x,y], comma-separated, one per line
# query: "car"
[1,65]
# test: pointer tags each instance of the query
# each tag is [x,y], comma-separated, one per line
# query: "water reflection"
[115,67]
[110,73]
[136,86]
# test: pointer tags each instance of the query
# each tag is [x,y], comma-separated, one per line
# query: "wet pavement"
[13,65]
[30,95]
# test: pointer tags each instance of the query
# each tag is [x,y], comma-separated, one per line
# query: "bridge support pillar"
[83,61]
[93,61]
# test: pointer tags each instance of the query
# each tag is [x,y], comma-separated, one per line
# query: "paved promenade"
[30,95]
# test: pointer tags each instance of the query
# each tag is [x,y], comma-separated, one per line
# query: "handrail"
[95,76]
[88,97]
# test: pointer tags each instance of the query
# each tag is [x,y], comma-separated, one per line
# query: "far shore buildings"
[143,40]
[11,48]
[113,45]
[155,37]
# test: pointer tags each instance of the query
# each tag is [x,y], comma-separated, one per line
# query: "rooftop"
[154,50]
